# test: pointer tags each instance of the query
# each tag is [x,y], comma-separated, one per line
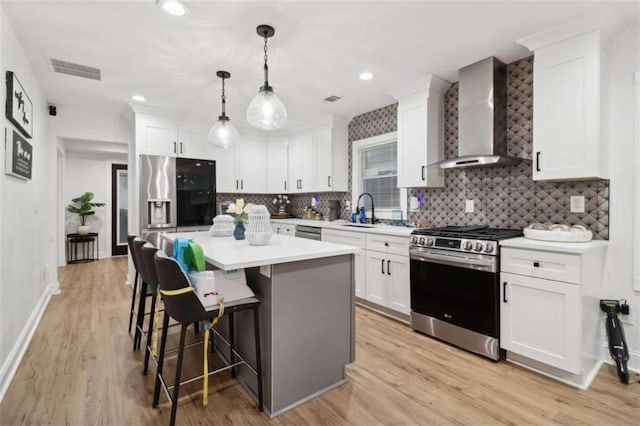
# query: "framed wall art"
[19,107]
[19,155]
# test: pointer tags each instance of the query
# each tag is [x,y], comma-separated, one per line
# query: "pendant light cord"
[224,101]
[266,67]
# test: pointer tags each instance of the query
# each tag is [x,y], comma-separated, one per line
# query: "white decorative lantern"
[259,230]
[222,226]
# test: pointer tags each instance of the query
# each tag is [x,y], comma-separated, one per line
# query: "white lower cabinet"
[550,319]
[387,272]
[283,229]
[540,320]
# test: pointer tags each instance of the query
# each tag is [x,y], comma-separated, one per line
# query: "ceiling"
[318,50]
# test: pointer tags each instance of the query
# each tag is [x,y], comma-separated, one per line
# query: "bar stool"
[144,291]
[130,239]
[184,307]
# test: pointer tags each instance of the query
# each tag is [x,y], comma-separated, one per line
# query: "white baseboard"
[634,358]
[10,366]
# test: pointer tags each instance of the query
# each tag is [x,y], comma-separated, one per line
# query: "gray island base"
[307,323]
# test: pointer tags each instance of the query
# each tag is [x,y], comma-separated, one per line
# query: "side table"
[82,248]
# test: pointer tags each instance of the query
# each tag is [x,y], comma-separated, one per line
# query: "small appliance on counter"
[334,210]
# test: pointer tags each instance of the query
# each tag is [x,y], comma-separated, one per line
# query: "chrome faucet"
[373,215]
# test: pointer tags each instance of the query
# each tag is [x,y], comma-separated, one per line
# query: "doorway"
[119,209]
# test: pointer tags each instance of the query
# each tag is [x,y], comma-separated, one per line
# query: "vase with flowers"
[240,211]
[282,200]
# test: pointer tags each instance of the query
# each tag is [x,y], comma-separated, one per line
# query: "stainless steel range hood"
[482,117]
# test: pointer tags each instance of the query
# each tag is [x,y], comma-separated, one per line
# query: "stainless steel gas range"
[455,285]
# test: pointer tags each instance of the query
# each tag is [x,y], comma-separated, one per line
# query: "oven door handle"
[463,262]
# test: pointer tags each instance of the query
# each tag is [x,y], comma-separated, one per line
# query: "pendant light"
[265,111]
[223,134]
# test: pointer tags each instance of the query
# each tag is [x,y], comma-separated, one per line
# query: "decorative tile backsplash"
[504,197]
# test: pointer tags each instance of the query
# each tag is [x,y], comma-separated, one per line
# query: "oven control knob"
[468,245]
[421,241]
[478,246]
[429,242]
[414,240]
[489,248]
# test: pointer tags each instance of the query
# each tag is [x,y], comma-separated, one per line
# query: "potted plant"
[83,207]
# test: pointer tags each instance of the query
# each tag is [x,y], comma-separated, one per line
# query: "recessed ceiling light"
[173,7]
[138,98]
[365,76]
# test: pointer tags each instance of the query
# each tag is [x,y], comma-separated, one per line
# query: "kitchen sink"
[360,225]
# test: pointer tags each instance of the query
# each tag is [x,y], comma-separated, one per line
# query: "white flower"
[231,208]
[239,205]
[248,208]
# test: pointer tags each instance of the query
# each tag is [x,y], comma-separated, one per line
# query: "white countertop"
[228,253]
[342,226]
[575,248]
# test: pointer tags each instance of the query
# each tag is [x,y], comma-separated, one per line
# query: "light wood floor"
[80,370]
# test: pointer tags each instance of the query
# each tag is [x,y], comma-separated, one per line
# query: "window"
[375,170]
[379,173]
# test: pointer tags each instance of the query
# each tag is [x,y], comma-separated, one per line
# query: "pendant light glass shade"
[223,134]
[266,111]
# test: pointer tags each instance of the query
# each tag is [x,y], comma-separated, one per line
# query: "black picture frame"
[19,155]
[19,109]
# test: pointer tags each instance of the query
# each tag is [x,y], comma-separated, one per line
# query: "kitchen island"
[307,313]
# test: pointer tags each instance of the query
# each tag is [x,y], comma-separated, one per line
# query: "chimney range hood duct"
[482,117]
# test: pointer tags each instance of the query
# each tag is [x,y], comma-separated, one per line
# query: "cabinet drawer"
[356,239]
[539,264]
[388,244]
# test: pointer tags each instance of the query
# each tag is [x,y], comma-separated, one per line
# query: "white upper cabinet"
[318,159]
[226,170]
[421,133]
[323,159]
[167,137]
[567,116]
[251,170]
[301,163]
[277,166]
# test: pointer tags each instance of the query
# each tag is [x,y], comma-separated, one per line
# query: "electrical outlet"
[469,206]
[347,206]
[577,204]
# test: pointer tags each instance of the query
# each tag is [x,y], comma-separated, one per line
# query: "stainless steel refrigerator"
[176,194]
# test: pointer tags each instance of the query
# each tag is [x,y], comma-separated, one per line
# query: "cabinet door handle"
[504,292]
[241,183]
[329,181]
[237,185]
[386,244]
[388,267]
[536,264]
[382,266]
[285,185]
[175,147]
[180,147]
[538,161]
[422,172]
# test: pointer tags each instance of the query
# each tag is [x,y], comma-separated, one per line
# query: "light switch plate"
[469,206]
[577,204]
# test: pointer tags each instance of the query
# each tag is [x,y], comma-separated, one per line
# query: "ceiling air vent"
[78,70]
[331,98]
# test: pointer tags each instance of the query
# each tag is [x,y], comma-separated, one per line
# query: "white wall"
[91,172]
[27,229]
[624,60]
[87,125]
